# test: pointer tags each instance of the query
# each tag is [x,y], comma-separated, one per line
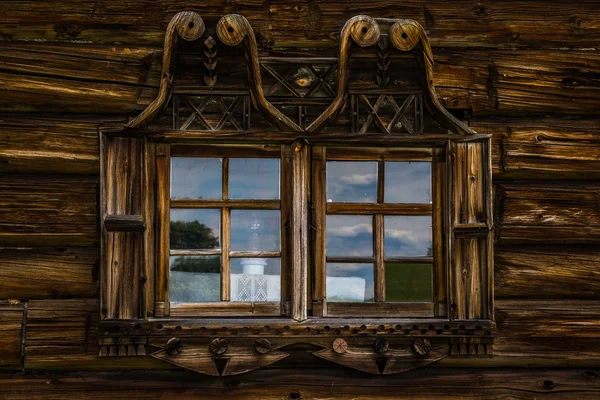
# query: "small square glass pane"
[254,178]
[408,236]
[407,182]
[349,236]
[351,181]
[196,178]
[195,229]
[255,279]
[408,282]
[255,230]
[350,282]
[195,279]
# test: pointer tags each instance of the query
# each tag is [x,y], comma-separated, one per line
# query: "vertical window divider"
[378,237]
[285,193]
[299,225]
[225,237]
[319,218]
[163,220]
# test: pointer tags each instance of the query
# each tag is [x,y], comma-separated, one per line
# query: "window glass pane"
[350,282]
[196,178]
[255,230]
[408,236]
[349,236]
[253,178]
[407,182]
[195,229]
[195,279]
[351,181]
[255,279]
[408,282]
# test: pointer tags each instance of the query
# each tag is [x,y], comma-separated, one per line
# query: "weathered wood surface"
[11,324]
[81,78]
[46,211]
[537,213]
[543,148]
[559,272]
[293,384]
[30,273]
[308,24]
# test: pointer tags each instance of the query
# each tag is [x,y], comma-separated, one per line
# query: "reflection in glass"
[253,178]
[408,282]
[195,229]
[348,282]
[351,181]
[408,236]
[255,230]
[349,236]
[195,279]
[196,178]
[407,182]
[255,279]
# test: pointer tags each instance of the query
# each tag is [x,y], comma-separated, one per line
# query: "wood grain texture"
[537,213]
[30,273]
[565,272]
[11,321]
[42,211]
[466,23]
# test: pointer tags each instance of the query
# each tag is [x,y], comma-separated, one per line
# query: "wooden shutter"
[127,234]
[469,227]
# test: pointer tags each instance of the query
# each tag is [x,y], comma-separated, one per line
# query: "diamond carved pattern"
[211,112]
[388,113]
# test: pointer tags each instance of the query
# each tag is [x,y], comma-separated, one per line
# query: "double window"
[374,218]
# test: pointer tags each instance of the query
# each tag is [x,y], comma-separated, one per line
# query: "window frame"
[320,209]
[224,307]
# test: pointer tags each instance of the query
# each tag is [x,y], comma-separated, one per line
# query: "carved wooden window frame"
[134,170]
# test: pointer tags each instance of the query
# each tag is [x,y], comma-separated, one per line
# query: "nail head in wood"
[340,346]
[262,346]
[174,346]
[381,345]
[421,346]
[218,346]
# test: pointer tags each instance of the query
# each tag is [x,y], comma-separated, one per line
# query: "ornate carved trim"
[189,26]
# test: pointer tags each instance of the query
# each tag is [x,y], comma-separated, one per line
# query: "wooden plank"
[557,272]
[463,24]
[44,211]
[403,310]
[373,208]
[30,273]
[63,335]
[299,229]
[538,213]
[11,321]
[543,148]
[225,309]
[244,204]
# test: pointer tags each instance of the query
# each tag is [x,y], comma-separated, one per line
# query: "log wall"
[526,72]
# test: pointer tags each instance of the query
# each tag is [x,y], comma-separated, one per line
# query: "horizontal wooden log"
[542,148]
[114,79]
[48,211]
[321,384]
[541,213]
[64,145]
[565,272]
[63,335]
[307,24]
[11,322]
[28,273]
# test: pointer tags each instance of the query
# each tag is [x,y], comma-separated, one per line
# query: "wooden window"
[226,219]
[376,251]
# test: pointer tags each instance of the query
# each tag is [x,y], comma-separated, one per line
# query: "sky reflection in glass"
[253,178]
[255,230]
[196,178]
[407,182]
[407,236]
[349,236]
[351,181]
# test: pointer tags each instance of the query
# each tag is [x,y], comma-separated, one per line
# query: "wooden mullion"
[410,260]
[195,252]
[163,220]
[232,204]
[254,254]
[299,228]
[379,257]
[440,278]
[350,259]
[318,219]
[380,182]
[225,179]
[376,208]
[225,248]
[285,191]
